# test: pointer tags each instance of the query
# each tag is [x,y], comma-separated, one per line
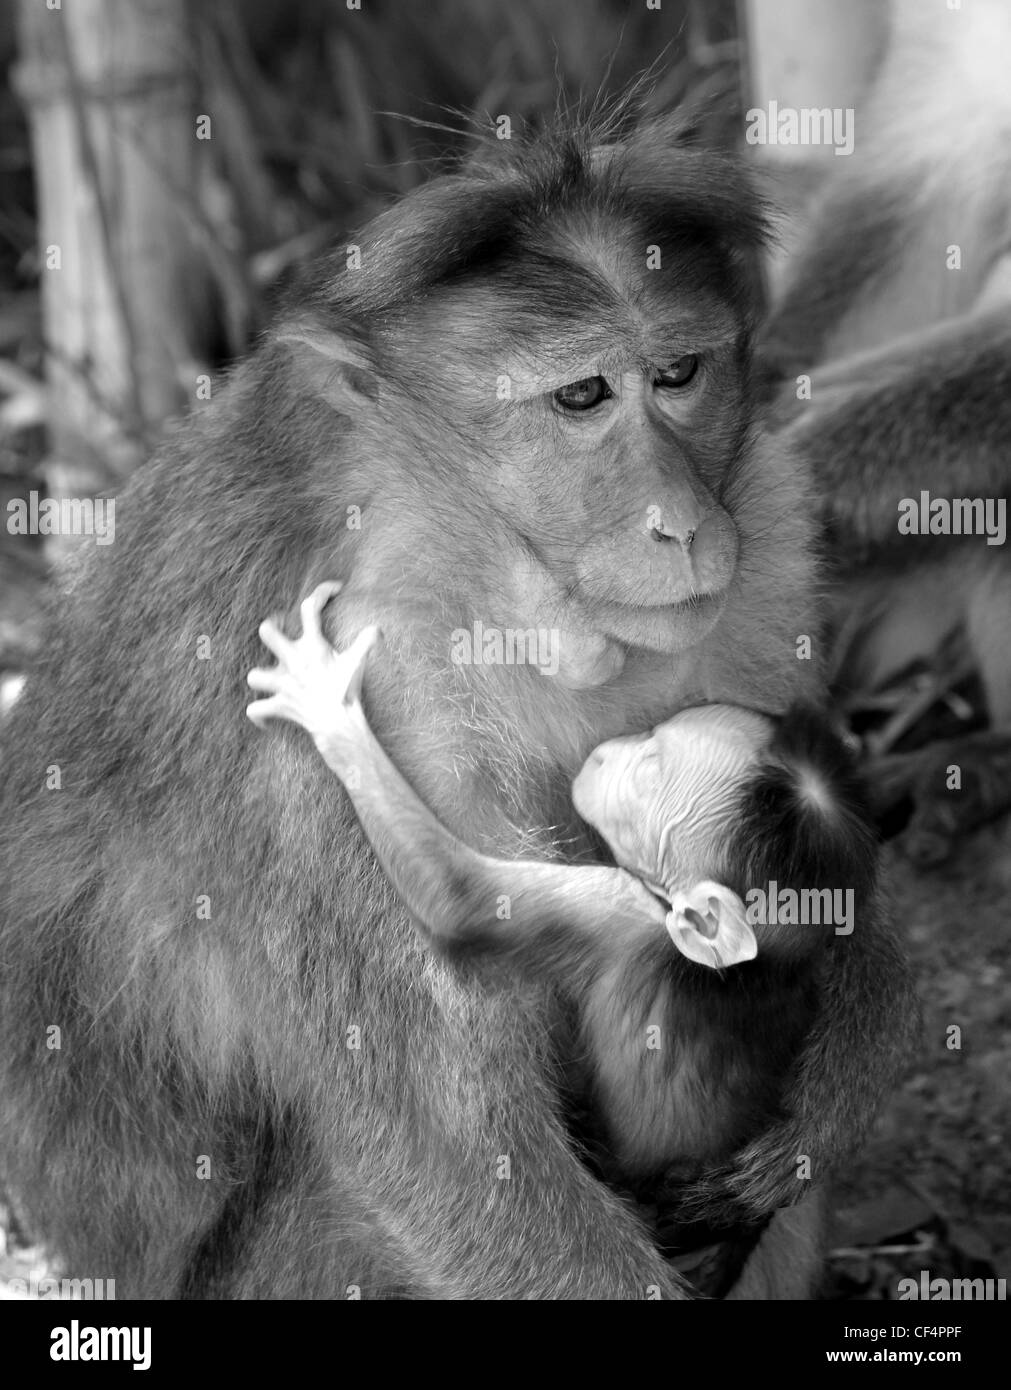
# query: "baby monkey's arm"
[542,914]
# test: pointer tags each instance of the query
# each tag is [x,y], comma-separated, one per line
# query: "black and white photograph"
[505,667]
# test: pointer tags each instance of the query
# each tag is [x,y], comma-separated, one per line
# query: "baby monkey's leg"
[543,915]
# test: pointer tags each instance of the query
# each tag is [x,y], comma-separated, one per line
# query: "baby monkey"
[689,1049]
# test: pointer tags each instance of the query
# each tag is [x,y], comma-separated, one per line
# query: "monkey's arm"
[552,915]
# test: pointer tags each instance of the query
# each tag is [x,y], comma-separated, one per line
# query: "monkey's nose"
[685,540]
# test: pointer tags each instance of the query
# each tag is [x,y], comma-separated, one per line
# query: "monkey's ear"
[331,364]
[709,925]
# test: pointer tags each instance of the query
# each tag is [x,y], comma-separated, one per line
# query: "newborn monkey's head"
[719,800]
[664,800]
[665,803]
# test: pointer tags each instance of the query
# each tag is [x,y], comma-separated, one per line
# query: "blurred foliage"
[319,111]
[311,91]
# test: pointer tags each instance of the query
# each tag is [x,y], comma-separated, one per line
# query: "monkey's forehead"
[688,771]
[552,323]
[595,225]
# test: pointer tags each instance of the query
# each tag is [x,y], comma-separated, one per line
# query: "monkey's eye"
[679,373]
[583,395]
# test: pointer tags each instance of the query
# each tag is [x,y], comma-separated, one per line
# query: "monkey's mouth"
[643,601]
[695,603]
[661,627]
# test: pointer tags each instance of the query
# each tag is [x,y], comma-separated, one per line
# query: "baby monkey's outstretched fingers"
[312,607]
[275,641]
[262,710]
[274,681]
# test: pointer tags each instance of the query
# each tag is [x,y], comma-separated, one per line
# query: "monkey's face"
[598,441]
[651,551]
[664,801]
[561,388]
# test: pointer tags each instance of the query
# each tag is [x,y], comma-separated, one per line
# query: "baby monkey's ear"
[709,925]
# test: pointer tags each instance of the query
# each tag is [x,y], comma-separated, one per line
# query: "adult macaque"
[898,310]
[714,804]
[530,407]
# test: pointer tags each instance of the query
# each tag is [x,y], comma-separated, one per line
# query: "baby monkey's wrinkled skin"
[664,802]
[668,803]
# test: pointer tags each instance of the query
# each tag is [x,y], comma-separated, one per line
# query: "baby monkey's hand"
[312,684]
